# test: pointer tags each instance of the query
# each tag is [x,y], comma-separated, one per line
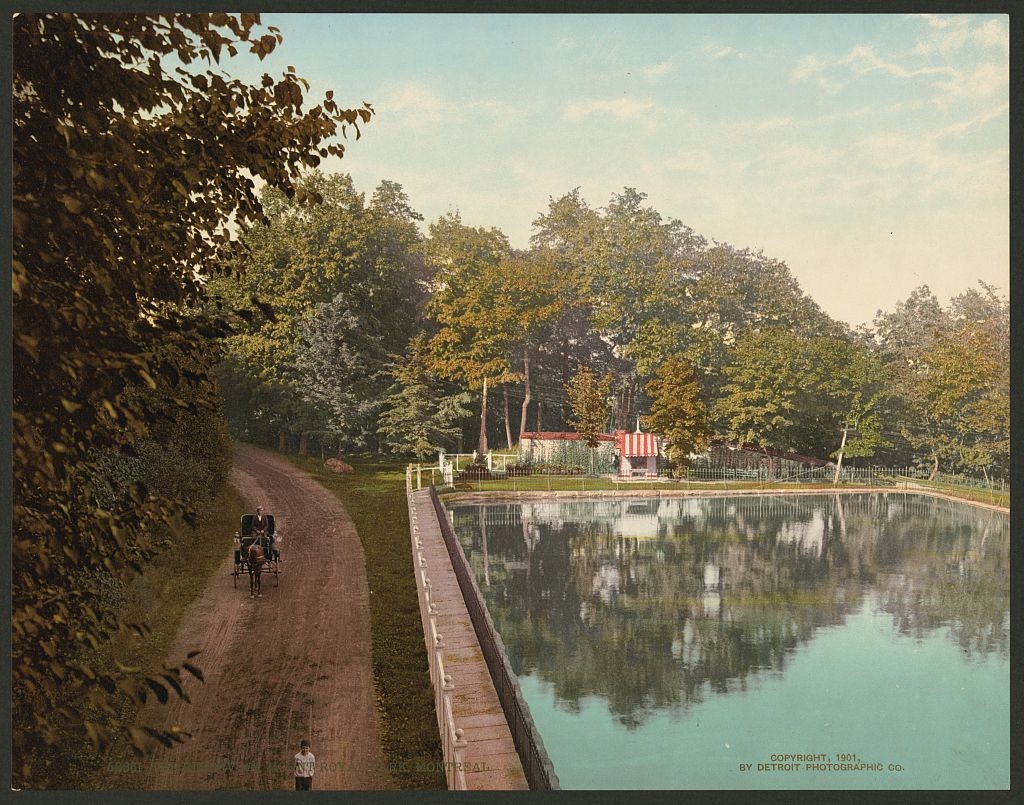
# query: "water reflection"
[650,604]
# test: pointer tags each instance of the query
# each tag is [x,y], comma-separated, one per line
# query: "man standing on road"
[304,762]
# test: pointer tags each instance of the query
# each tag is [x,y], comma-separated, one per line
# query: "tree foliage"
[795,393]
[418,417]
[588,397]
[345,281]
[128,173]
[466,345]
[678,412]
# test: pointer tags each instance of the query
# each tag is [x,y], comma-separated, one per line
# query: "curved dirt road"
[293,664]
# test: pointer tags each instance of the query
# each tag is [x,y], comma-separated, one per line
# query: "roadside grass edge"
[374,497]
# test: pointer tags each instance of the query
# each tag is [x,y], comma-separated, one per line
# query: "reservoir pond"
[844,641]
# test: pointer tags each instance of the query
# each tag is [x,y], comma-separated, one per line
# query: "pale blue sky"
[868,152]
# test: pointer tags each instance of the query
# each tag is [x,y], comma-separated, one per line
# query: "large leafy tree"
[655,289]
[906,338]
[632,268]
[128,173]
[678,412]
[466,347]
[736,292]
[956,384]
[785,391]
[529,298]
[981,331]
[345,284]
[419,416]
[761,396]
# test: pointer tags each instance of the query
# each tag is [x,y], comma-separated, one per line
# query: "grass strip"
[990,496]
[583,483]
[374,497]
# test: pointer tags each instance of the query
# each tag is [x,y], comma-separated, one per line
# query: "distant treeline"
[383,339]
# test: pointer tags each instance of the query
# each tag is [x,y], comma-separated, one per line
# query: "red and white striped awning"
[637,444]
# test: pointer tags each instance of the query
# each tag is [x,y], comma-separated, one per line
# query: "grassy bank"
[583,483]
[992,497]
[374,496]
[159,599]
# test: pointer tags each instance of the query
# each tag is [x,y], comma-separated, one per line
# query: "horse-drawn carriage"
[257,551]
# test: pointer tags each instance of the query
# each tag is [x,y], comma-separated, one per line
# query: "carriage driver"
[259,529]
[259,523]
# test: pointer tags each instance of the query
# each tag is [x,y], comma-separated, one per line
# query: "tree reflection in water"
[651,603]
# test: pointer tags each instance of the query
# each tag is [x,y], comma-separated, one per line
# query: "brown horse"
[254,560]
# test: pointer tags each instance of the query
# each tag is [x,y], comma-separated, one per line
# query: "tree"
[906,336]
[339,360]
[346,288]
[790,392]
[465,348]
[735,292]
[964,388]
[982,330]
[418,418]
[126,180]
[632,268]
[678,413]
[529,298]
[760,396]
[588,397]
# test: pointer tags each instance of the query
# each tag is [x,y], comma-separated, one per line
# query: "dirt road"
[293,664]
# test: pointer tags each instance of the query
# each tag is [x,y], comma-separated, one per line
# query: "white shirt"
[304,764]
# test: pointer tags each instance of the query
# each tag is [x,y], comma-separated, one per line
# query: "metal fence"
[453,745]
[540,773]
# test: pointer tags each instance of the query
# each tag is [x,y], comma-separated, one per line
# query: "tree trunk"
[282,440]
[624,417]
[482,445]
[508,425]
[528,395]
[839,461]
[540,405]
[303,443]
[935,467]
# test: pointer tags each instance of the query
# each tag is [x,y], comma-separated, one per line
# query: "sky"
[870,153]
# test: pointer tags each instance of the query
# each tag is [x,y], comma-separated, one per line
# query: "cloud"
[811,68]
[863,59]
[983,82]
[700,162]
[416,100]
[955,77]
[993,34]
[656,70]
[416,106]
[620,108]
[963,126]
[948,34]
[717,51]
